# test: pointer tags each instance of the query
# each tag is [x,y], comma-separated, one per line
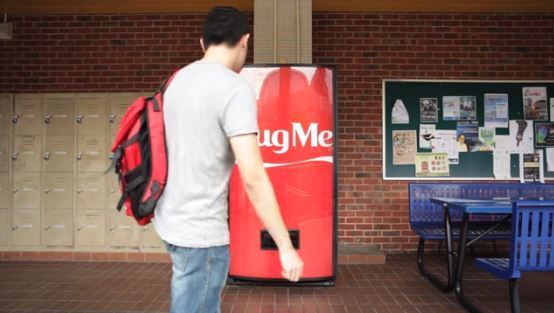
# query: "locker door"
[118,104]
[5,108]
[26,153]
[91,114]
[58,227]
[58,190]
[27,114]
[58,154]
[114,193]
[150,238]
[4,227]
[4,153]
[91,191]
[59,114]
[124,232]
[91,229]
[26,191]
[91,154]
[4,191]
[26,227]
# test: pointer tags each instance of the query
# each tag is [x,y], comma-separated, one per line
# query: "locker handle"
[112,228]
[112,118]
[47,119]
[80,190]
[15,118]
[14,227]
[46,156]
[47,190]
[15,155]
[79,156]
[80,118]
[15,190]
[144,229]
[80,228]
[112,190]
[47,228]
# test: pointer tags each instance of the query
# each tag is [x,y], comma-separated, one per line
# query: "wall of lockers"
[54,194]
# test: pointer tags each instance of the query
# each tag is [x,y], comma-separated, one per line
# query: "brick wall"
[98,52]
[134,52]
[367,48]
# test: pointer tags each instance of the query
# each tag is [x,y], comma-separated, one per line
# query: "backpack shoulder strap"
[167,81]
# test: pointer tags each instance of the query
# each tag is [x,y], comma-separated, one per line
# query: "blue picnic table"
[467,207]
[539,224]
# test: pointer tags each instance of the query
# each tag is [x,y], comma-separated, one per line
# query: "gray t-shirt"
[205,105]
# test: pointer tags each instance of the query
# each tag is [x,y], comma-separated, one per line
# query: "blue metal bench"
[531,249]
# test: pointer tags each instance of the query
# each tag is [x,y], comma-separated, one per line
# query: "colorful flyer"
[467,134]
[404,146]
[534,103]
[432,164]
[496,110]
[487,138]
[531,168]
[468,108]
[456,108]
[428,110]
[544,134]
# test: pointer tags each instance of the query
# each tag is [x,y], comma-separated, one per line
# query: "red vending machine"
[297,122]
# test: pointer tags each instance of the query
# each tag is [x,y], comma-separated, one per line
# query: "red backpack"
[140,156]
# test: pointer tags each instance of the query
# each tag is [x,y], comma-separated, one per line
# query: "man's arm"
[261,194]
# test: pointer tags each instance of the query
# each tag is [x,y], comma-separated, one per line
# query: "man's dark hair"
[224,25]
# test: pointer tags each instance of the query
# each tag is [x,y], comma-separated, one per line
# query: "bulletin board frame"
[389,172]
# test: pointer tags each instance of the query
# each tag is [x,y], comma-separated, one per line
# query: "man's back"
[205,104]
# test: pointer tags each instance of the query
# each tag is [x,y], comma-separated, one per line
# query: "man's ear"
[202,45]
[244,40]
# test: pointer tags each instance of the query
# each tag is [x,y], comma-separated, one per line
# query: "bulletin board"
[476,165]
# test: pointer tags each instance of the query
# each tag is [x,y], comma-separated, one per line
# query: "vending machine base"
[237,281]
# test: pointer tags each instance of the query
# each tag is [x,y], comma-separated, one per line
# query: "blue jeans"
[199,275]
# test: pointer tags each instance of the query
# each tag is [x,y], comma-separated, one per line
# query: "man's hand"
[291,263]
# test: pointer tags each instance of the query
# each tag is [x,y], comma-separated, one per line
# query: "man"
[210,121]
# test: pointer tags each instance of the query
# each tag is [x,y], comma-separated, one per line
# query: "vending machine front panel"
[296,120]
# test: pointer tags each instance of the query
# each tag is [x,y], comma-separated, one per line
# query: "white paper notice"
[550,159]
[501,160]
[521,136]
[445,141]
[502,110]
[496,110]
[426,134]
[399,113]
[503,144]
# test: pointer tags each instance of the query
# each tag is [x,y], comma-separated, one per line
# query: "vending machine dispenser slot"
[267,242]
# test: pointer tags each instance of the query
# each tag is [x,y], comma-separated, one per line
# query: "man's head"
[226,32]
